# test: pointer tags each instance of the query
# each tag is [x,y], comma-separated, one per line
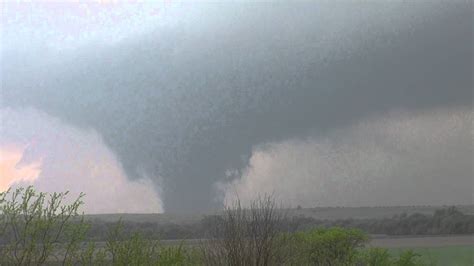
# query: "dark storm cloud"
[187,102]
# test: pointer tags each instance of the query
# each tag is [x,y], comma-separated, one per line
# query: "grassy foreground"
[449,256]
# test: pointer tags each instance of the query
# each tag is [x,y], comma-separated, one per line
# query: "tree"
[37,226]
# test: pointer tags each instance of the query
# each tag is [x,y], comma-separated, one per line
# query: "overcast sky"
[182,106]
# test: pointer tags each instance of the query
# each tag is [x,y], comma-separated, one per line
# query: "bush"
[333,246]
[246,236]
[381,257]
[35,227]
[375,257]
[178,255]
[133,250]
[408,258]
[137,250]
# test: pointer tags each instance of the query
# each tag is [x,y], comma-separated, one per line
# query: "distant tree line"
[449,220]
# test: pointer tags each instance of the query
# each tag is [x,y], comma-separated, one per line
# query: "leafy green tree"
[35,227]
[333,246]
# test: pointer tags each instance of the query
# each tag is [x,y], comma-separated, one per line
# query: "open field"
[437,250]
[422,241]
[443,256]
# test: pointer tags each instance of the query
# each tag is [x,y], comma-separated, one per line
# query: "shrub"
[375,257]
[178,255]
[381,257]
[37,226]
[125,249]
[408,258]
[333,246]
[246,236]
[133,250]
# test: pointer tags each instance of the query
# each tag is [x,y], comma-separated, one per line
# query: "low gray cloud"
[402,158]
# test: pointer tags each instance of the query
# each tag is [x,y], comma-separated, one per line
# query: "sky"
[184,106]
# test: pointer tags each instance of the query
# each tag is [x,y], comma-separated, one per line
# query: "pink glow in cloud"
[39,150]
[12,170]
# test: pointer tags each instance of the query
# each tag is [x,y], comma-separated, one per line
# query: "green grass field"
[444,256]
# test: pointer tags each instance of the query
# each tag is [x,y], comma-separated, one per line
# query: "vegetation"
[381,256]
[35,227]
[41,229]
[336,246]
[450,255]
[246,236]
[375,256]
[449,220]
[137,250]
[44,229]
[444,221]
